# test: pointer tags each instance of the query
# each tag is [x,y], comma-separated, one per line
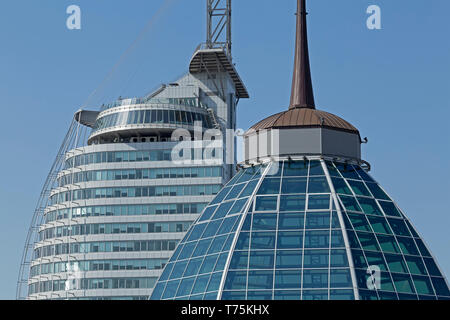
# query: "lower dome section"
[310,229]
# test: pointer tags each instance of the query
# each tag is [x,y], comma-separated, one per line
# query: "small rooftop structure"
[302,129]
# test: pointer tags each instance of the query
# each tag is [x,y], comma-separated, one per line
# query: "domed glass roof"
[302,230]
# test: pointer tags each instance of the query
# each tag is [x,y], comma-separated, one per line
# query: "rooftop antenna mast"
[218,26]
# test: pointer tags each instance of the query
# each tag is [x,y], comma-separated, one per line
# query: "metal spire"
[302,95]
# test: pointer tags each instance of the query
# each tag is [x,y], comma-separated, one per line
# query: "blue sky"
[392,84]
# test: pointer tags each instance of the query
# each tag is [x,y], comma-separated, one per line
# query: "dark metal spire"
[302,95]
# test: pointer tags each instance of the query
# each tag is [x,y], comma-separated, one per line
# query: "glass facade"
[121,193]
[123,156]
[135,192]
[124,216]
[125,210]
[302,230]
[139,174]
[153,116]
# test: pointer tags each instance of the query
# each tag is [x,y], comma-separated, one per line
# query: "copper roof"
[304,118]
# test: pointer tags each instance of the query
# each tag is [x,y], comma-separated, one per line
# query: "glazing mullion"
[304,233]
[339,213]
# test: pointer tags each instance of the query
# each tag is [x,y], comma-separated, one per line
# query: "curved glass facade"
[125,210]
[302,230]
[153,116]
[139,174]
[112,226]
[121,193]
[134,192]
[117,157]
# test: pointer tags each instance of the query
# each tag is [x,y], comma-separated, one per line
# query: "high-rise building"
[303,219]
[121,193]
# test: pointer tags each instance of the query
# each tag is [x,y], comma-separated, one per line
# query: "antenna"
[218,26]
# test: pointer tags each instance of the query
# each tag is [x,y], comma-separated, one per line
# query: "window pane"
[415,265]
[318,202]
[266,203]
[233,295]
[292,203]
[350,203]
[403,283]
[243,241]
[193,267]
[423,285]
[171,289]
[249,188]
[340,186]
[235,191]
[340,278]
[315,168]
[200,284]
[369,206]
[347,171]
[294,185]
[318,220]
[223,210]
[288,279]
[408,246]
[236,280]
[359,188]
[264,221]
[359,222]
[388,244]
[399,227]
[318,185]
[338,258]
[375,259]
[389,209]
[260,280]
[368,241]
[263,240]
[270,186]
[239,260]
[288,221]
[289,295]
[316,259]
[262,259]
[208,213]
[380,225]
[185,287]
[440,286]
[208,264]
[289,259]
[377,192]
[396,263]
[290,240]
[296,168]
[317,239]
[315,278]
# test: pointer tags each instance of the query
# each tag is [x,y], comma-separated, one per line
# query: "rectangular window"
[318,202]
[294,185]
[266,203]
[315,279]
[292,203]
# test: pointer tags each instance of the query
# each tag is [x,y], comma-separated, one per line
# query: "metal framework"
[218,26]
[75,138]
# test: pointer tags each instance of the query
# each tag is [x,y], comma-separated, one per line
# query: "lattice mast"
[218,25]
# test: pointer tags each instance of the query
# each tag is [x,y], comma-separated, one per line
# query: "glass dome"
[309,229]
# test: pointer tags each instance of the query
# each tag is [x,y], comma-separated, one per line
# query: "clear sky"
[393,84]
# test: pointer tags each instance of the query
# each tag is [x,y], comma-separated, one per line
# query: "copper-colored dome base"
[304,117]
